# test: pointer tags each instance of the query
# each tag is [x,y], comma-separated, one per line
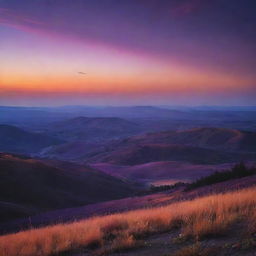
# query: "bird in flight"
[82,73]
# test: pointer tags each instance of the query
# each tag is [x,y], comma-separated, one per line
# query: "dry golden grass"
[211,215]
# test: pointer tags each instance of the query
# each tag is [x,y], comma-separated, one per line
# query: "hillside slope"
[145,153]
[39,186]
[200,146]
[16,140]
[126,204]
[161,173]
[226,217]
[216,138]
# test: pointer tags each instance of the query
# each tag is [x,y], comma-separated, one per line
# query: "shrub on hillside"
[238,171]
[160,188]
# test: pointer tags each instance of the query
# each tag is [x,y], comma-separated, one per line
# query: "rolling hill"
[146,153]
[160,173]
[216,138]
[16,140]
[71,151]
[93,129]
[197,146]
[35,186]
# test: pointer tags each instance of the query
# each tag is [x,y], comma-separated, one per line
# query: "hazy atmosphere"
[127,128]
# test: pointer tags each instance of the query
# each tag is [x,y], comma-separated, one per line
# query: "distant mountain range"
[91,129]
[38,116]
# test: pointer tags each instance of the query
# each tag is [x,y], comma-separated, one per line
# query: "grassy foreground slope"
[197,219]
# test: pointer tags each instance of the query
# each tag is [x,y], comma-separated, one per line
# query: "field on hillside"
[196,220]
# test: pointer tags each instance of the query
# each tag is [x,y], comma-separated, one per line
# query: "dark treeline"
[238,171]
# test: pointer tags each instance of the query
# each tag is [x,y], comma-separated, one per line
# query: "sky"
[126,52]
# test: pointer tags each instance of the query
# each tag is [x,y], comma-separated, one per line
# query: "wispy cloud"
[12,18]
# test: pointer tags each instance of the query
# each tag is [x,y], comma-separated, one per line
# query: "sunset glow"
[42,55]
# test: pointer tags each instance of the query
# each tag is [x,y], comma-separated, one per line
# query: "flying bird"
[82,73]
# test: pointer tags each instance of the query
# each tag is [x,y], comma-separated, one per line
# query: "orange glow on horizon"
[41,65]
[138,82]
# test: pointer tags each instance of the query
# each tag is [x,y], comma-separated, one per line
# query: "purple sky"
[133,52]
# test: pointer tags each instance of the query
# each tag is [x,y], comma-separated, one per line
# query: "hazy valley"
[73,168]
